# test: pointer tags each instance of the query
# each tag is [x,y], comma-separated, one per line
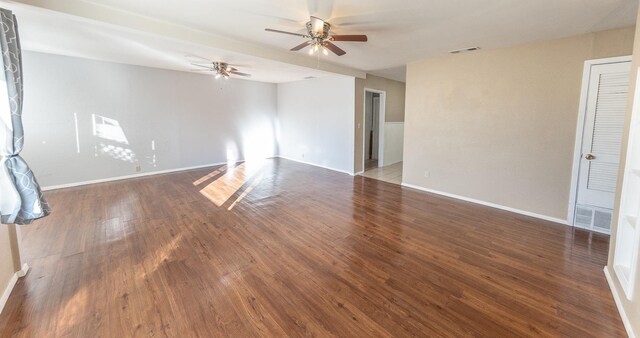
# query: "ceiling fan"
[221,69]
[320,38]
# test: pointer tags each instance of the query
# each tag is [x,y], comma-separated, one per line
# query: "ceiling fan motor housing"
[221,68]
[321,35]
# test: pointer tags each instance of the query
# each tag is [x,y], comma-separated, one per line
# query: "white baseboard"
[23,271]
[489,204]
[359,173]
[616,297]
[118,178]
[8,289]
[317,165]
[12,283]
[151,173]
[388,164]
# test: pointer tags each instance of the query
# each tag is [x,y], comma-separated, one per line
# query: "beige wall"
[9,262]
[394,108]
[499,125]
[631,308]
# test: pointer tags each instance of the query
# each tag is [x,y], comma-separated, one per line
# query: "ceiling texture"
[159,33]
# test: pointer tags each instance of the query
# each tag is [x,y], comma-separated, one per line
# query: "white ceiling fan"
[219,68]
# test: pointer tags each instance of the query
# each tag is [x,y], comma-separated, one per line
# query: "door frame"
[582,113]
[383,100]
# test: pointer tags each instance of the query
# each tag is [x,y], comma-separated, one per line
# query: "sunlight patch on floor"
[210,175]
[225,186]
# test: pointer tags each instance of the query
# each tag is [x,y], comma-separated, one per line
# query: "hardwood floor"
[300,251]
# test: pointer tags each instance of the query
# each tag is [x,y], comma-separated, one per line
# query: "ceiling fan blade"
[198,57]
[300,46]
[356,38]
[317,24]
[240,74]
[335,49]
[203,66]
[283,32]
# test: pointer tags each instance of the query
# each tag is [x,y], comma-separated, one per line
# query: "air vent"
[584,217]
[602,220]
[593,218]
[464,50]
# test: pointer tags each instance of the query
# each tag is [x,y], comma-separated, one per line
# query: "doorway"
[381,140]
[599,135]
[372,127]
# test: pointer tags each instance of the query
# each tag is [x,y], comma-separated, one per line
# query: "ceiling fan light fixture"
[218,75]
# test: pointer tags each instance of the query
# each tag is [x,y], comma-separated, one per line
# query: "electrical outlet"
[138,169]
[427,174]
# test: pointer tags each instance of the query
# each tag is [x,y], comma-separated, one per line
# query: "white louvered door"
[604,124]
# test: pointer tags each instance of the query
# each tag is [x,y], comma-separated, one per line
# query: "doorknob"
[589,157]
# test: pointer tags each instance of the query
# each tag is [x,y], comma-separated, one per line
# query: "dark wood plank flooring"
[294,250]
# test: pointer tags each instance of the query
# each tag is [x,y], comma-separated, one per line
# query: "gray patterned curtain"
[21,200]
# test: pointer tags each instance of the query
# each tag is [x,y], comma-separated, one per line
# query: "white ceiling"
[399,31]
[48,32]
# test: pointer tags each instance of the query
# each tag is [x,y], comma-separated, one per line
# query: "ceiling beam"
[112,16]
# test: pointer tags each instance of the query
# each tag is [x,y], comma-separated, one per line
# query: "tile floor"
[370,164]
[391,173]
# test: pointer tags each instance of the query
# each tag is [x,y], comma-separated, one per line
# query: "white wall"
[393,142]
[167,119]
[499,125]
[316,121]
